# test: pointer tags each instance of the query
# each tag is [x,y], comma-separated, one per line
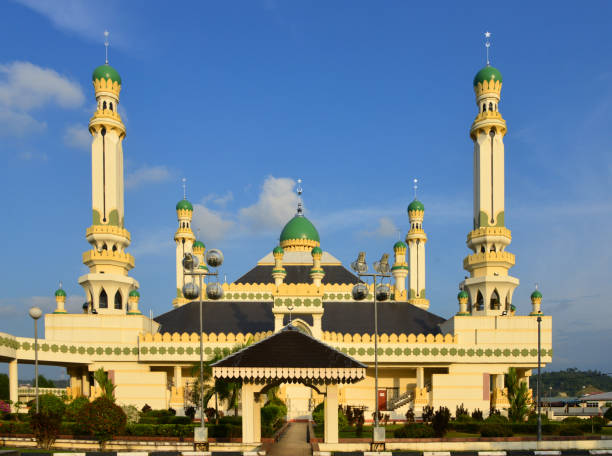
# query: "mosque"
[423,359]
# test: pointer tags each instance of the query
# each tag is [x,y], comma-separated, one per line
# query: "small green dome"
[463,295]
[416,205]
[316,250]
[512,307]
[278,249]
[199,244]
[106,72]
[536,294]
[486,74]
[299,227]
[60,292]
[184,204]
[135,293]
[399,245]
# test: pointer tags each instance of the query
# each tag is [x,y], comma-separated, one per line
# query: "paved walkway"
[293,442]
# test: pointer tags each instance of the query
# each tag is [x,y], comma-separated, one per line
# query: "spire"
[488,45]
[300,209]
[106,43]
[184,181]
[416,186]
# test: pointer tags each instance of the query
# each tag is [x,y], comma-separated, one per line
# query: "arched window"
[492,249]
[484,107]
[479,301]
[114,248]
[111,105]
[105,247]
[104,105]
[495,304]
[118,300]
[103,304]
[508,303]
[490,107]
[482,249]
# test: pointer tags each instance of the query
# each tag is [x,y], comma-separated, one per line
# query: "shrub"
[461,412]
[414,430]
[190,412]
[180,420]
[471,426]
[103,419]
[5,408]
[428,412]
[440,421]
[496,419]
[14,427]
[570,430]
[317,413]
[46,424]
[608,414]
[477,415]
[146,408]
[498,429]
[132,414]
[74,408]
[410,415]
[171,411]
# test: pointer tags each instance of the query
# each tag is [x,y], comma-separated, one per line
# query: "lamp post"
[380,293]
[214,291]
[35,313]
[539,320]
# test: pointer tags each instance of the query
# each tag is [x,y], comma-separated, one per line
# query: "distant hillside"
[573,382]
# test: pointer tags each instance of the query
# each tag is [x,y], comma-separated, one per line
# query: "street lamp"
[214,291]
[539,320]
[381,293]
[35,313]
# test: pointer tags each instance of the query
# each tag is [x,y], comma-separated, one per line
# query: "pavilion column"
[248,419]
[13,384]
[85,382]
[331,414]
[421,398]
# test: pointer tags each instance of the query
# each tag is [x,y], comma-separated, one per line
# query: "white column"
[331,414]
[420,377]
[178,377]
[257,418]
[13,383]
[498,381]
[85,382]
[317,332]
[248,405]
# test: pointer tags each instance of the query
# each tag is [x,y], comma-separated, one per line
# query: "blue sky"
[356,98]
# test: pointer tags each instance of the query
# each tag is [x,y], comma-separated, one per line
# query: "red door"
[382,400]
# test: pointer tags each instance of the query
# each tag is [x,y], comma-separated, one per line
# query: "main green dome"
[486,74]
[299,227]
[416,205]
[106,72]
[185,205]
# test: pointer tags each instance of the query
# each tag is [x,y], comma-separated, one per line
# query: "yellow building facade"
[424,359]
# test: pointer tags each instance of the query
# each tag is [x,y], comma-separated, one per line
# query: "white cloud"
[77,136]
[153,243]
[25,87]
[18,307]
[386,228]
[213,225]
[219,200]
[147,175]
[276,205]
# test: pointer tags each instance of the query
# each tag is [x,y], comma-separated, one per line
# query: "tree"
[518,395]
[4,387]
[106,384]
[103,419]
[46,423]
[440,421]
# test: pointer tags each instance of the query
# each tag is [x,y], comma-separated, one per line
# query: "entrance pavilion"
[288,356]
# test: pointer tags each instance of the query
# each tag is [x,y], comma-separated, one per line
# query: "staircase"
[400,400]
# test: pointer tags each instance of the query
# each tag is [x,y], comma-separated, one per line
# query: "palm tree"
[106,384]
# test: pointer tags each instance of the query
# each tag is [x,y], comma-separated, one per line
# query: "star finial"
[184,180]
[488,45]
[536,285]
[416,186]
[106,43]
[60,284]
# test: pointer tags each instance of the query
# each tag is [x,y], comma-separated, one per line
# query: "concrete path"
[293,442]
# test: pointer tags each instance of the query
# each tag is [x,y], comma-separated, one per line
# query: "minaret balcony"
[488,235]
[184,233]
[504,260]
[95,258]
[486,123]
[98,121]
[108,233]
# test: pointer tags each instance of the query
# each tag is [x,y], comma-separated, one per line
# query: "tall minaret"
[416,240]
[489,286]
[107,285]
[184,239]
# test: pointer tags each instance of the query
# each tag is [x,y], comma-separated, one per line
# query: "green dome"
[416,205]
[486,74]
[278,249]
[536,294]
[299,227]
[399,245]
[106,72]
[135,293]
[184,204]
[462,295]
[60,292]
[316,250]
[199,244]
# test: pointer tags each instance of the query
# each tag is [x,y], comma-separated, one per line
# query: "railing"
[400,400]
[31,391]
[577,411]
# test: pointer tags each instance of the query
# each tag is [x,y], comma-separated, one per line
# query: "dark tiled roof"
[298,274]
[393,317]
[289,348]
[219,316]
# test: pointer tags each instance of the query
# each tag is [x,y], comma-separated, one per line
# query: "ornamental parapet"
[486,87]
[107,85]
[485,125]
[299,245]
[489,258]
[107,114]
[206,337]
[390,338]
[108,256]
[108,229]
[489,231]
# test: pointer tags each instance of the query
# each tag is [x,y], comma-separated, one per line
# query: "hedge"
[553,428]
